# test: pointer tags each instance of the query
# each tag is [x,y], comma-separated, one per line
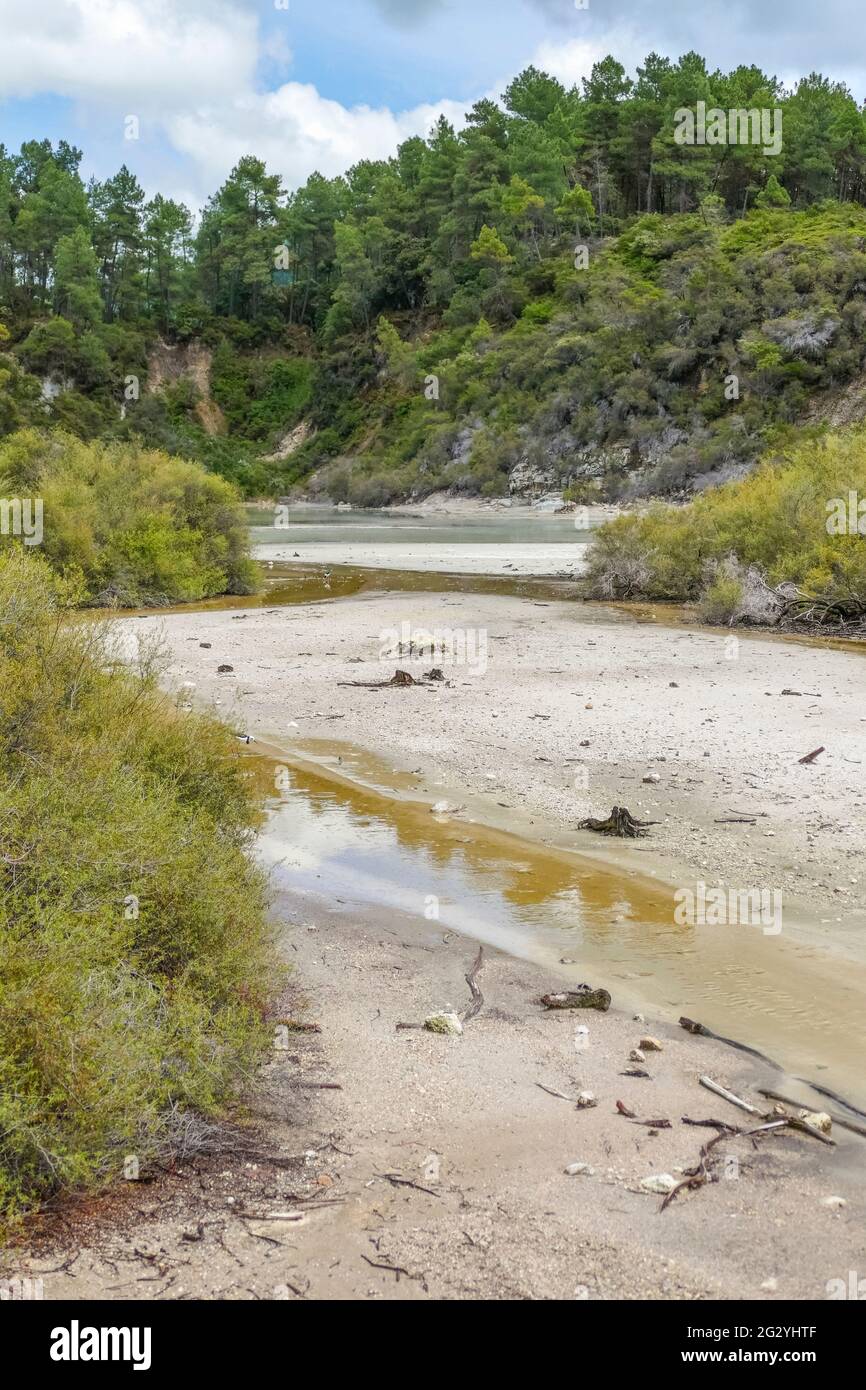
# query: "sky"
[319,84]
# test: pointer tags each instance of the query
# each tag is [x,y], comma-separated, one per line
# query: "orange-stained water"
[346,830]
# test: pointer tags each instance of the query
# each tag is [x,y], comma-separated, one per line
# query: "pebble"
[818,1121]
[834,1203]
[580,1170]
[586,1101]
[651,1045]
[662,1183]
[636,1055]
[445,1023]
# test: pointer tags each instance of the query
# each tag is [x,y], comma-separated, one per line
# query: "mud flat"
[563,711]
[438,1168]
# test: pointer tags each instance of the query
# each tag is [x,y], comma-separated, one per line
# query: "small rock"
[580,1170]
[818,1120]
[661,1183]
[639,1018]
[636,1055]
[651,1045]
[586,1101]
[652,780]
[448,1024]
[770,1285]
[225,670]
[834,1203]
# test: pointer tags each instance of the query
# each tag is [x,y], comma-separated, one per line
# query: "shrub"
[776,521]
[139,527]
[135,959]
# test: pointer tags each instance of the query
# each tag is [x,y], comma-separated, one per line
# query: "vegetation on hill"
[135,957]
[427,316]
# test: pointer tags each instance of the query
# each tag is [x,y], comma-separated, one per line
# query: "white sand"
[516,559]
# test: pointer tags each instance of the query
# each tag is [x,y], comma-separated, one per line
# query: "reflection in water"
[351,844]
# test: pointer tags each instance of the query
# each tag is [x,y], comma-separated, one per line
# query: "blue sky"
[323,83]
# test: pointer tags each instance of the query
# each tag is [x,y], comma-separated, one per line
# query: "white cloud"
[295,131]
[137,55]
[190,69]
[572,61]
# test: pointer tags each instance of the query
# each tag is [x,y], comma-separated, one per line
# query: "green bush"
[140,528]
[135,959]
[778,520]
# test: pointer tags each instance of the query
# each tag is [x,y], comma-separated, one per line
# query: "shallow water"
[311,526]
[354,834]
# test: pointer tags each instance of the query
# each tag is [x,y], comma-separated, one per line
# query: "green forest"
[559,288]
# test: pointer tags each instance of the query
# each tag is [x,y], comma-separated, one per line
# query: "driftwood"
[777,1121]
[401,681]
[729,1096]
[557,1094]
[810,757]
[697,1028]
[837,1119]
[477,997]
[582,998]
[701,1174]
[620,822]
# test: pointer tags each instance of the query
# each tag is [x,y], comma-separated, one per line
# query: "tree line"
[409,232]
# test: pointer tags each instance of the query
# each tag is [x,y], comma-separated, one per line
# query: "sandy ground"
[520,558]
[562,710]
[438,1170]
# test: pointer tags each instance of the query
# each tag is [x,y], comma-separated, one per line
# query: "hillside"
[559,294]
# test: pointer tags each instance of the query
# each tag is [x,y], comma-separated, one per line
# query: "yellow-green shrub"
[140,527]
[775,520]
[135,957]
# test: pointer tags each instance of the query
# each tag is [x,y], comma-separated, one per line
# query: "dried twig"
[477,997]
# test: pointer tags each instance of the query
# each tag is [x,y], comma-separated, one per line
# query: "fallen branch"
[396,1181]
[729,1096]
[401,681]
[837,1119]
[810,757]
[699,1176]
[477,997]
[711,1124]
[584,997]
[557,1094]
